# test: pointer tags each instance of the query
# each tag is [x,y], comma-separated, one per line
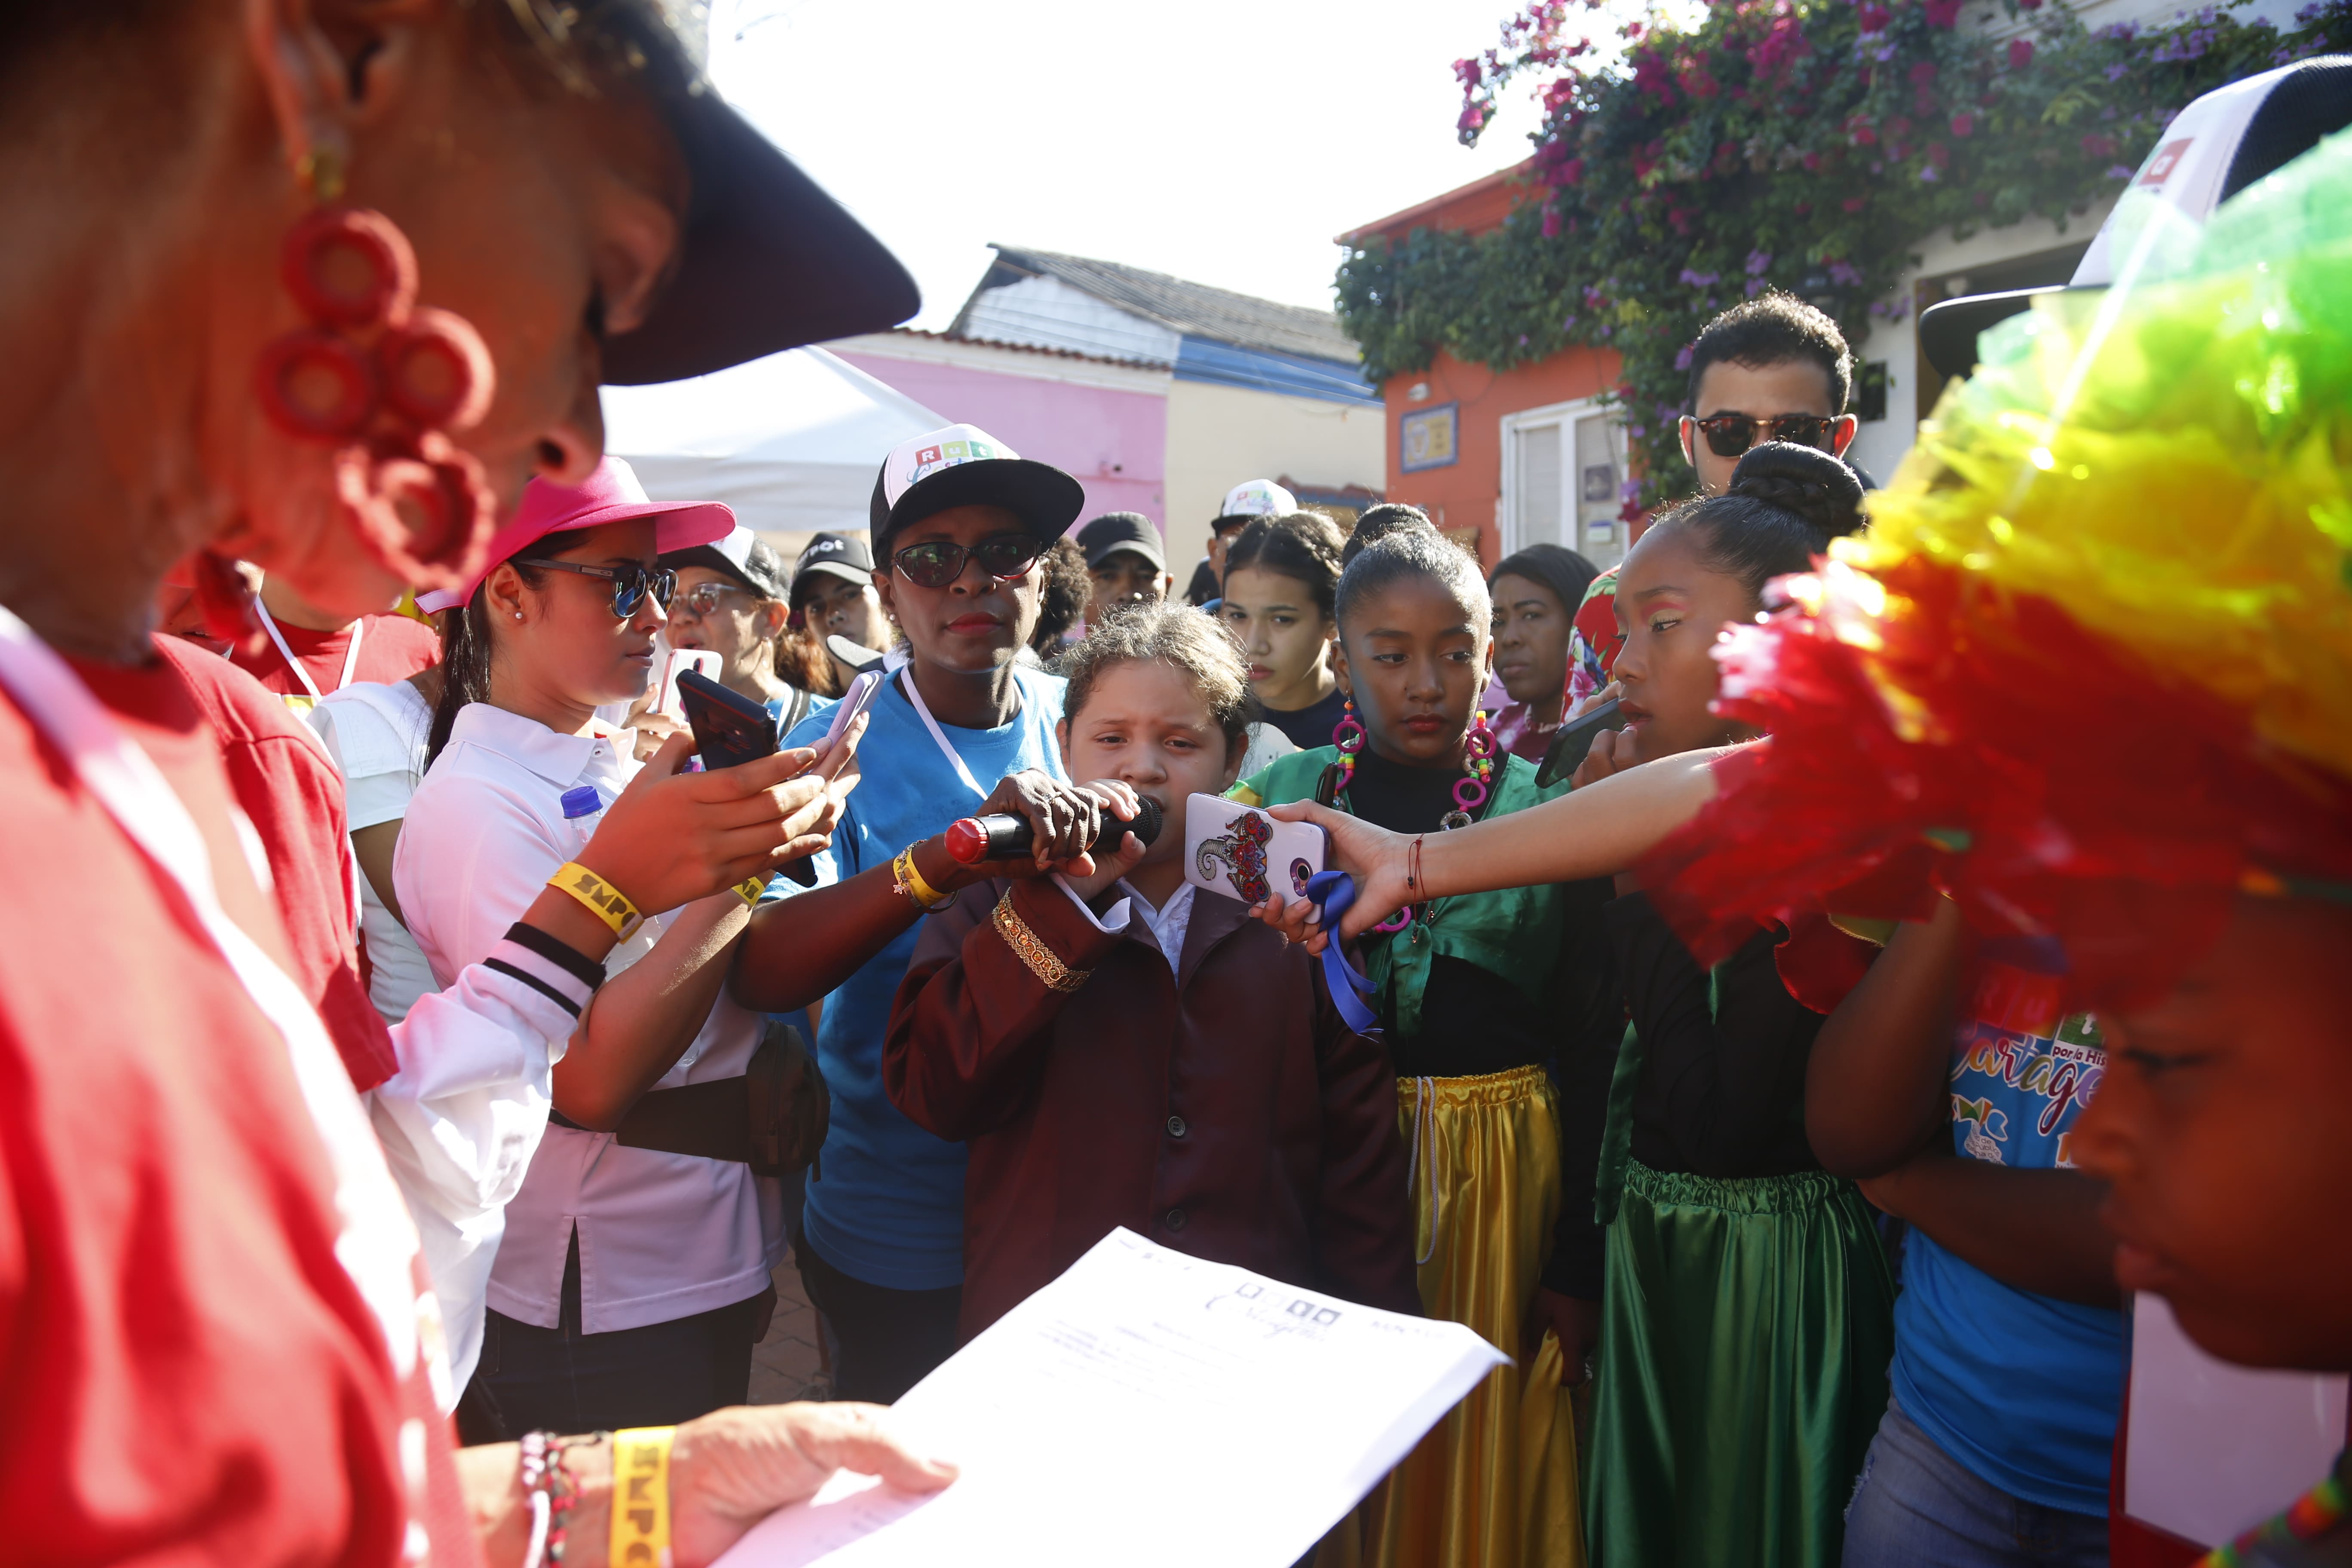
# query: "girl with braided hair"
[1747,1322]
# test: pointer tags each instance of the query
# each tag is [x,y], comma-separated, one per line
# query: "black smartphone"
[729,728]
[1569,748]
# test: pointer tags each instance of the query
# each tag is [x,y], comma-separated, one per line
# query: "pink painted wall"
[1115,443]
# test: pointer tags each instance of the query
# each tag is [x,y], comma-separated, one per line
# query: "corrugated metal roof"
[1194,309]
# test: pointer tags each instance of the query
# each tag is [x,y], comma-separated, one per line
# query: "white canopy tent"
[791,442]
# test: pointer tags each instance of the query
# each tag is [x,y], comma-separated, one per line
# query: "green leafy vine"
[1800,144]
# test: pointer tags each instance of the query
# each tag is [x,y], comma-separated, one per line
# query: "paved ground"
[787,1365]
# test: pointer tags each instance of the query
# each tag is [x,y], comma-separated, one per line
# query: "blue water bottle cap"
[582,800]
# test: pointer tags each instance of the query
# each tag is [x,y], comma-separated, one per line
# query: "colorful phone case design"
[1241,852]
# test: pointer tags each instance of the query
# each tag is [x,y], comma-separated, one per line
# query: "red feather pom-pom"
[2052,784]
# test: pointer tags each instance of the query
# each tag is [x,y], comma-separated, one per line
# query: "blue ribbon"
[1332,892]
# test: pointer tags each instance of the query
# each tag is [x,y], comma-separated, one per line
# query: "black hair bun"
[1804,480]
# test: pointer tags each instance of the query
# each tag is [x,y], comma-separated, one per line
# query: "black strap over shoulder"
[773,1118]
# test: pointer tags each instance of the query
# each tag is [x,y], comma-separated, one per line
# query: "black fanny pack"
[772,1118]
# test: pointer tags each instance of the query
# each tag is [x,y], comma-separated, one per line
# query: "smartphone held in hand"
[729,728]
[1574,742]
[855,700]
[675,663]
[1241,852]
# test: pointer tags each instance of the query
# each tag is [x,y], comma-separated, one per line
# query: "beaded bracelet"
[1043,962]
[546,1483]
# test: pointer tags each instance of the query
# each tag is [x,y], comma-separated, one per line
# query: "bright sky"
[1222,140]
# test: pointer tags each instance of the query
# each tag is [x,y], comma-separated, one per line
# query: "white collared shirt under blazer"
[662,1236]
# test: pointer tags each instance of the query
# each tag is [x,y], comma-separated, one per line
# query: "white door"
[1565,471]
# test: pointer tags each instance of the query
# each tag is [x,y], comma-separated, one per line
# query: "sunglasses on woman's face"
[937,563]
[704,598]
[1729,435]
[631,583]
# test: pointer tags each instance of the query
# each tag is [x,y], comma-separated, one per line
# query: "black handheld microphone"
[1002,836]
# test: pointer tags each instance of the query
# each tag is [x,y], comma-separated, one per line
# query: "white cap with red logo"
[1257,498]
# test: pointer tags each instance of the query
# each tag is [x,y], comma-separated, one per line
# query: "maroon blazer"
[1224,1110]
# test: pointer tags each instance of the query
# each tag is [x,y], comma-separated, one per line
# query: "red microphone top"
[968,840]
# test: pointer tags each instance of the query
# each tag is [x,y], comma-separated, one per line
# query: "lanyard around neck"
[351,654]
[914,698]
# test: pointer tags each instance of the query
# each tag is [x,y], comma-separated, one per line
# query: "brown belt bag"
[772,1118]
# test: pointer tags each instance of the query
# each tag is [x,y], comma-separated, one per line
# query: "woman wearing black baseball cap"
[319,285]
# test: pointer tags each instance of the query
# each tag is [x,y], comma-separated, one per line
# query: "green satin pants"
[1745,1340]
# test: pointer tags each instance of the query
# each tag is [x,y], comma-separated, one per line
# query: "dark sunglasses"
[1729,435]
[631,583]
[937,563]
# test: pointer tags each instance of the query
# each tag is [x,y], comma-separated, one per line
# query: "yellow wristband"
[750,889]
[910,882]
[611,906]
[640,1511]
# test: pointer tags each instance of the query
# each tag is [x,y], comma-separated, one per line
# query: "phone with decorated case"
[1243,853]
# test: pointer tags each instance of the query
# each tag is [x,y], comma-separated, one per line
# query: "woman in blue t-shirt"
[960,728]
[2008,1334]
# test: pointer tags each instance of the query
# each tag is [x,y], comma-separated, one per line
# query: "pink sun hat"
[611,494]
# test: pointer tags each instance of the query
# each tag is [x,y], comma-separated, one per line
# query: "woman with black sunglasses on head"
[626,1280]
[963,726]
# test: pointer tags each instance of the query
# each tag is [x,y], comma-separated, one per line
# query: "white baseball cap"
[1257,498]
[965,466]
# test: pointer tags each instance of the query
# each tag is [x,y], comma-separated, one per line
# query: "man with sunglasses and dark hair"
[961,727]
[1774,369]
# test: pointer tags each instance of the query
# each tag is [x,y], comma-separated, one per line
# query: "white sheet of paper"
[1145,1408]
[2215,1450]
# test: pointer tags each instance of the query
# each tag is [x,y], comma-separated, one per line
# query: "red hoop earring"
[383,380]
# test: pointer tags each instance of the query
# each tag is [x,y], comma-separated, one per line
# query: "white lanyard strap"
[378,1238]
[351,654]
[914,698]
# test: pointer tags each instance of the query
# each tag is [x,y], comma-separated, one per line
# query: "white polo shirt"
[661,1235]
[376,733]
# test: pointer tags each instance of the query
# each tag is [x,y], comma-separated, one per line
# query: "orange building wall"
[1463,495]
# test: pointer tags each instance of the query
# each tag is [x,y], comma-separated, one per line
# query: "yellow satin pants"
[1493,1484]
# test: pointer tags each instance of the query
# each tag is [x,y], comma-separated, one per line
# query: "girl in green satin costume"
[1749,1316]
[1482,997]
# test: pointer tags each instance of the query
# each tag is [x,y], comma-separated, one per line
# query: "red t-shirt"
[391,647]
[187,1371]
[282,777]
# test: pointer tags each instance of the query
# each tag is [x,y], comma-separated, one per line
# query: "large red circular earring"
[314,386]
[436,371]
[382,378]
[349,267]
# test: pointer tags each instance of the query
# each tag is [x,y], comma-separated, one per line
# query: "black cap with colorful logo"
[965,466]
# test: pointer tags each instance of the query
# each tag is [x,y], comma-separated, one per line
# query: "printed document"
[1145,1408]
